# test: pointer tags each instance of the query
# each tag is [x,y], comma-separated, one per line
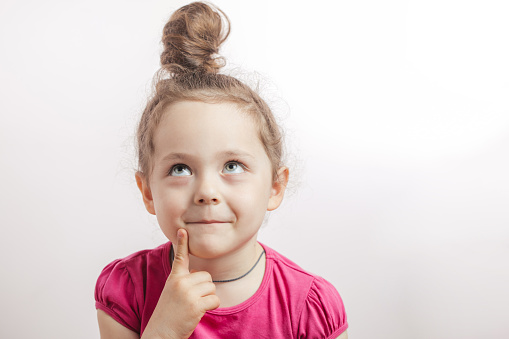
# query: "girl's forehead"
[206,128]
[184,112]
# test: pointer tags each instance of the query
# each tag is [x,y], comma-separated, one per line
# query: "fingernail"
[179,234]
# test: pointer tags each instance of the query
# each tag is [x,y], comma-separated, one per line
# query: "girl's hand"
[185,298]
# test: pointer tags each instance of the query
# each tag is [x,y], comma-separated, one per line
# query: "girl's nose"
[206,194]
[208,201]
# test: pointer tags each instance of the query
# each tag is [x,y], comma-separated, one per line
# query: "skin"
[210,187]
[203,139]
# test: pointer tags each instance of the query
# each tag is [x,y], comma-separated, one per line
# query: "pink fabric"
[290,303]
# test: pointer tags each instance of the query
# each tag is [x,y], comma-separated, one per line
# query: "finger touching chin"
[205,249]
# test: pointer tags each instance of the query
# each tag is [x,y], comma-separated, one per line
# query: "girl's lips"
[208,222]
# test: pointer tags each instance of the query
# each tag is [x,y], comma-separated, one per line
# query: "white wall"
[397,114]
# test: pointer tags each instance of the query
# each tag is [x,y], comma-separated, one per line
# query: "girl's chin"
[208,245]
[207,251]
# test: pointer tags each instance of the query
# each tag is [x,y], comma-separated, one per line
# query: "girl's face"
[211,176]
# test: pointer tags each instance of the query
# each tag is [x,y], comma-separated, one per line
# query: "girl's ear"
[145,192]
[278,188]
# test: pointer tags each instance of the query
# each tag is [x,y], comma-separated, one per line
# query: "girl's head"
[189,72]
[210,151]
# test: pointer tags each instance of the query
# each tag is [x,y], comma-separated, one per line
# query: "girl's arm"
[184,300]
[343,335]
[111,329]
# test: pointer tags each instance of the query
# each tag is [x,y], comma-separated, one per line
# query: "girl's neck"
[230,266]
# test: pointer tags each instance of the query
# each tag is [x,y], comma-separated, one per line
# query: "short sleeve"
[323,315]
[115,295]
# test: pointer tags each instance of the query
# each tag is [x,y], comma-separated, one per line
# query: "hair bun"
[192,38]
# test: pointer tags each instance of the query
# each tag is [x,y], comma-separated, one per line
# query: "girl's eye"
[180,170]
[233,167]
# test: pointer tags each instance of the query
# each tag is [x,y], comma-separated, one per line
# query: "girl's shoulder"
[284,267]
[316,301]
[121,286]
[139,262]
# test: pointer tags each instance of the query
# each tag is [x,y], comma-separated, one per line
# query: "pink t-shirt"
[290,303]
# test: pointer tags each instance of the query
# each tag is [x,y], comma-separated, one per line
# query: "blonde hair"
[189,71]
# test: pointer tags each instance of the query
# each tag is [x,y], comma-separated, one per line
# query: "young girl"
[210,166]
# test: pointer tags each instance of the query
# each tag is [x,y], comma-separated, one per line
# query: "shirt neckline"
[246,303]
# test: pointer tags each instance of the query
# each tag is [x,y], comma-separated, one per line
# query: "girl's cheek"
[176,188]
[176,182]
[248,194]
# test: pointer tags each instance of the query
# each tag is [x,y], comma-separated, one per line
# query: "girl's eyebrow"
[176,156]
[225,154]
[236,153]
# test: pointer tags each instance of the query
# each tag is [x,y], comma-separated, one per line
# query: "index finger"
[181,259]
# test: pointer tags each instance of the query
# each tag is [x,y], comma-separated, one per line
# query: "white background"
[397,116]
